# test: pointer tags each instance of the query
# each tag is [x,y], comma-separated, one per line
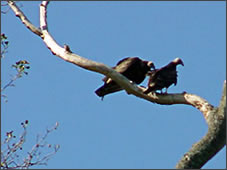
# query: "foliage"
[4,44]
[21,68]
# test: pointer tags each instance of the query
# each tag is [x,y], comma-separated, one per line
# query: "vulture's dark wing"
[126,64]
[136,69]
[163,77]
[122,66]
[133,68]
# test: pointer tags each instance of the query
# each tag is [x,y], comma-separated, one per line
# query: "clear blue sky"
[122,131]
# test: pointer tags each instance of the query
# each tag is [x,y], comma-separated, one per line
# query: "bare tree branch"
[23,18]
[212,142]
[201,104]
[21,68]
[12,158]
[130,88]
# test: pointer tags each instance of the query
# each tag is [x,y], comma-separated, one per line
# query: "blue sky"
[122,131]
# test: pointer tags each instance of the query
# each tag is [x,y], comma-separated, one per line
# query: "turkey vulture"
[163,77]
[133,68]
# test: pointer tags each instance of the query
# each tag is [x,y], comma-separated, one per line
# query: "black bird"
[133,68]
[163,77]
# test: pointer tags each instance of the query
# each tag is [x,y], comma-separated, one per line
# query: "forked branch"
[165,99]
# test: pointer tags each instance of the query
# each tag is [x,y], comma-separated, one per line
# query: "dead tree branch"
[215,139]
[210,112]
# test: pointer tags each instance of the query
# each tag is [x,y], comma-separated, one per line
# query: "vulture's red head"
[178,61]
[150,64]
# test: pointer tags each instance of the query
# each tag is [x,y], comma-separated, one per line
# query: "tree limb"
[23,18]
[212,142]
[201,104]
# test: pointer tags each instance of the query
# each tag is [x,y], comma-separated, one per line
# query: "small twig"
[40,143]
[21,68]
[10,83]
[4,5]
[9,155]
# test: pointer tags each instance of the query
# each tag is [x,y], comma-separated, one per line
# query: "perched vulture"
[133,68]
[163,77]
